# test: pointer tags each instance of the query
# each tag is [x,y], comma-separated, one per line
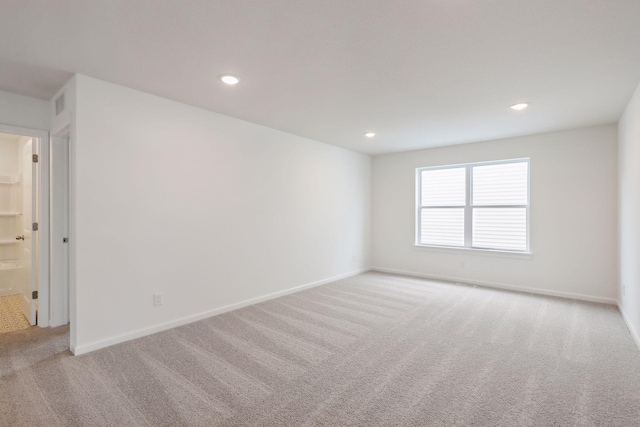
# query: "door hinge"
[35,158]
[34,295]
[35,226]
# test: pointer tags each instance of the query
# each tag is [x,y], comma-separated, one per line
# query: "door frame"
[63,126]
[41,146]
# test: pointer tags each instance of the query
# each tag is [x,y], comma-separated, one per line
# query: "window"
[474,206]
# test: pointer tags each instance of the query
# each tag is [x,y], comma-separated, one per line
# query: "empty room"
[319,213]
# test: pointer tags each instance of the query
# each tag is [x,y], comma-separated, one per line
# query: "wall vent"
[59,104]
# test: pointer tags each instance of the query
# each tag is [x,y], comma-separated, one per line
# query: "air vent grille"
[59,104]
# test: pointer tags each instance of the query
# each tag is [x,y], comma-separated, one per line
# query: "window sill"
[473,251]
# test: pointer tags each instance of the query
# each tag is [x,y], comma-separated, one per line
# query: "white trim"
[96,345]
[632,331]
[569,295]
[42,149]
[474,251]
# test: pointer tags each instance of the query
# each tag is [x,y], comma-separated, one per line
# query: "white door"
[29,252]
[59,269]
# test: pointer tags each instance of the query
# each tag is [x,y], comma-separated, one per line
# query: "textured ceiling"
[420,73]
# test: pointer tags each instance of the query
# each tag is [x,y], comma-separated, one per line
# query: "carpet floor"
[11,315]
[371,350]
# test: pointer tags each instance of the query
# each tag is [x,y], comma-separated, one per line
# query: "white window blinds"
[500,184]
[500,228]
[479,205]
[500,203]
[442,227]
[443,199]
[444,187]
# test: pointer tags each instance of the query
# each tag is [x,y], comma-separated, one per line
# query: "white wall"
[573,215]
[629,208]
[23,111]
[205,208]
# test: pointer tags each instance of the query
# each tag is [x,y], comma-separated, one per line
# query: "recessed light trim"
[520,106]
[229,79]
[369,134]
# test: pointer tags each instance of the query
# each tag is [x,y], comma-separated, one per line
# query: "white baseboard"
[632,331]
[505,286]
[96,345]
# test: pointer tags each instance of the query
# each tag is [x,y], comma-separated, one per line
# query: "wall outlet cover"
[158,299]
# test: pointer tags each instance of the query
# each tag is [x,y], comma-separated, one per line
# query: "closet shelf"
[4,214]
[9,242]
[6,179]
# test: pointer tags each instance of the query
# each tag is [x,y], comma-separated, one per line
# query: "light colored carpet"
[372,350]
[11,315]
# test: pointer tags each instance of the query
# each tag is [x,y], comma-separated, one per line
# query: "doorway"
[34,237]
[19,237]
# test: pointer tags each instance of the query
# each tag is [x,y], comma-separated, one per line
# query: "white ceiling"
[31,80]
[420,73]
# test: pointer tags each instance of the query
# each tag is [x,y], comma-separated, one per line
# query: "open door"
[59,208]
[29,283]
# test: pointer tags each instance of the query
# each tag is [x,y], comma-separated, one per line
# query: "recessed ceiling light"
[520,106]
[229,79]
[369,134]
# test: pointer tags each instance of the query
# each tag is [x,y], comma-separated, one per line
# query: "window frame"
[468,207]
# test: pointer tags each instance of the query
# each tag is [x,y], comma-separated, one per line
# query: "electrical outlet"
[158,299]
